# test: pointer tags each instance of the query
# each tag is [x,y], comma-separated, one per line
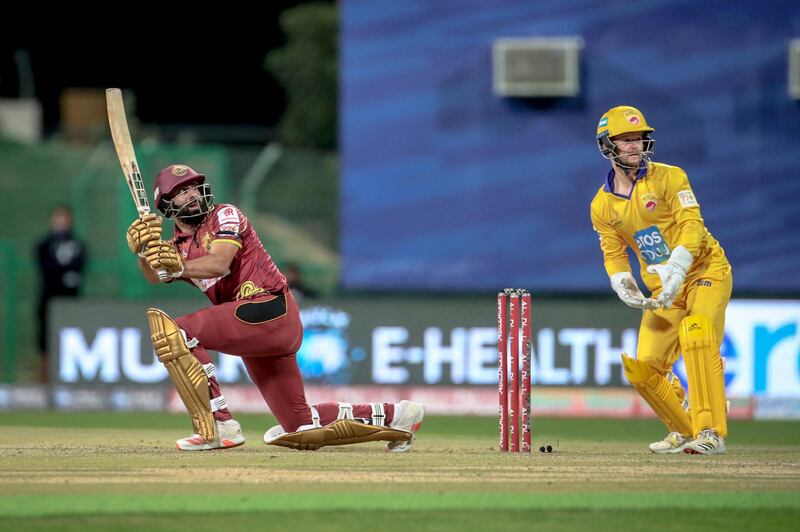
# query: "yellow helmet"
[618,121]
[622,119]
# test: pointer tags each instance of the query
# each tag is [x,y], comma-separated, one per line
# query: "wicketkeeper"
[651,208]
[253,315]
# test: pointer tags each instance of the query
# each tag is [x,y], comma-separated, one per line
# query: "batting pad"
[659,394]
[705,374]
[340,432]
[185,371]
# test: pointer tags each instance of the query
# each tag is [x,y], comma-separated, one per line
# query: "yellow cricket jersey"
[661,213]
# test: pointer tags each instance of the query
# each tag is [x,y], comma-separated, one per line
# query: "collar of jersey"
[609,186]
[181,235]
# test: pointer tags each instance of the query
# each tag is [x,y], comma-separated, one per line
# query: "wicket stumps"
[514,327]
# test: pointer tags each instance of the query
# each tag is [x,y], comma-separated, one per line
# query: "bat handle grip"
[163,275]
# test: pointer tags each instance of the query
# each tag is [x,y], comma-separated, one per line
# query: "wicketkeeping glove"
[142,231]
[163,256]
[672,274]
[628,291]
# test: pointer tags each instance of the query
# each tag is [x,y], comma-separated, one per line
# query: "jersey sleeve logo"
[228,216]
[229,228]
[687,199]
[652,246]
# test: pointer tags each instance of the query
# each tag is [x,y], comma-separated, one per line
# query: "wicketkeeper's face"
[629,147]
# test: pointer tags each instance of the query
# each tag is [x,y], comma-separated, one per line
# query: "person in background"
[294,278]
[61,258]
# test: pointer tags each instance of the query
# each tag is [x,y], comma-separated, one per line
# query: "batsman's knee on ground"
[185,371]
[339,432]
[348,429]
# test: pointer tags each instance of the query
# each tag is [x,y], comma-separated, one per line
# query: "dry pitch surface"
[104,471]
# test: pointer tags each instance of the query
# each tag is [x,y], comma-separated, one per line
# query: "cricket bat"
[127,158]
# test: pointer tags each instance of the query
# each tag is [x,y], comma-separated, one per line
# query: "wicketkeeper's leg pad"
[339,432]
[705,373]
[659,393]
[185,371]
[677,387]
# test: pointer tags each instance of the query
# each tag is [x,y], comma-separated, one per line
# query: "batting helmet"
[173,178]
[618,121]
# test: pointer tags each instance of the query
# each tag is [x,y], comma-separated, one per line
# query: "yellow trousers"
[658,333]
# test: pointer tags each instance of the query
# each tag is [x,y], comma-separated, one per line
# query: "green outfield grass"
[90,471]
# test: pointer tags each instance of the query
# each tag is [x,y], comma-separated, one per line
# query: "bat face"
[122,142]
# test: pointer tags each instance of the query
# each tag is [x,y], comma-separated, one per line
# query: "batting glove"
[142,231]
[164,257]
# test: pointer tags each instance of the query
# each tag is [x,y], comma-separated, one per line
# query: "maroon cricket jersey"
[252,270]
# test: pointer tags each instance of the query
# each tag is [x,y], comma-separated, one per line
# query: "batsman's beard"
[192,213]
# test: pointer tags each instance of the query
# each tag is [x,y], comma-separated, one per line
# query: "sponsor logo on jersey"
[233,228]
[687,199]
[228,215]
[207,242]
[703,282]
[248,289]
[649,201]
[652,245]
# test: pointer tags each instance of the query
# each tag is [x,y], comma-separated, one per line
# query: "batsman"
[253,315]
[650,207]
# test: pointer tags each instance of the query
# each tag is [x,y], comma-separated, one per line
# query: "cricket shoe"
[408,417]
[674,443]
[229,435]
[708,442]
[273,433]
